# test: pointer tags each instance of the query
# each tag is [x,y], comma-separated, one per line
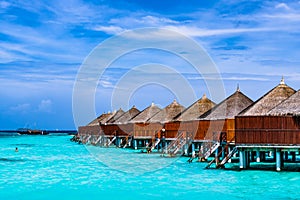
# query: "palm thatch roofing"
[127,116]
[271,99]
[115,116]
[195,110]
[168,113]
[228,108]
[290,106]
[146,114]
[101,119]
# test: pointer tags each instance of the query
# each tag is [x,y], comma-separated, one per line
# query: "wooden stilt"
[248,158]
[286,155]
[223,152]
[293,156]
[193,150]
[134,144]
[242,159]
[278,160]
[257,156]
[216,157]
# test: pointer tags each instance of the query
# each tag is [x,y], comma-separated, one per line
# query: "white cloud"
[283,6]
[140,20]
[197,32]
[284,16]
[109,29]
[106,84]
[45,106]
[155,21]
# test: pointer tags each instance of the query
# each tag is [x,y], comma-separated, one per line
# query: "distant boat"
[27,131]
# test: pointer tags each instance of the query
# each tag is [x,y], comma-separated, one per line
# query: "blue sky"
[42,46]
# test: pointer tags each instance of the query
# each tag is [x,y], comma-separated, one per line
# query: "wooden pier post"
[229,150]
[251,156]
[278,160]
[258,156]
[243,159]
[216,156]
[248,158]
[134,144]
[223,152]
[286,155]
[146,143]
[193,150]
[185,149]
[263,156]
[282,159]
[118,142]
[293,156]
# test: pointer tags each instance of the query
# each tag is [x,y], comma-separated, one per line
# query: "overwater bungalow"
[187,120]
[118,130]
[140,123]
[109,128]
[217,125]
[270,124]
[183,127]
[157,122]
[93,127]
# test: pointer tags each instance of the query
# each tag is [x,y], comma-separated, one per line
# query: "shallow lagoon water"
[52,167]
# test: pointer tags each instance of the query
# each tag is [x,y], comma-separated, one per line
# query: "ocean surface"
[52,167]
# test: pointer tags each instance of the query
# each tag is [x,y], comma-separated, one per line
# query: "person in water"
[16,149]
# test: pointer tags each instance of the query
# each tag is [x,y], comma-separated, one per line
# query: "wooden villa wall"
[125,129]
[210,129]
[172,129]
[89,130]
[146,130]
[203,129]
[110,129]
[117,129]
[272,130]
[230,130]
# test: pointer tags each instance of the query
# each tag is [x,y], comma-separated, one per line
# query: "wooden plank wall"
[211,129]
[109,129]
[230,130]
[146,129]
[273,130]
[202,130]
[125,130]
[89,130]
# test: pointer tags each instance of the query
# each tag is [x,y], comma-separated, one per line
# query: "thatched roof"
[127,116]
[168,113]
[290,106]
[101,119]
[115,116]
[94,122]
[228,108]
[196,109]
[271,99]
[146,114]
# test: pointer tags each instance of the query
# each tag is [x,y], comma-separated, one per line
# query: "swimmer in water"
[16,149]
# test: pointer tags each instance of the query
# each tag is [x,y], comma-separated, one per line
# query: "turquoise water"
[52,167]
